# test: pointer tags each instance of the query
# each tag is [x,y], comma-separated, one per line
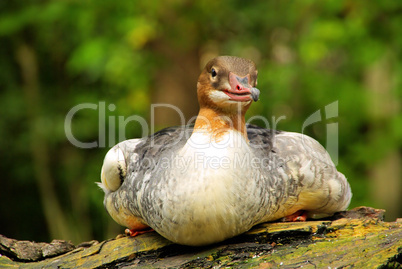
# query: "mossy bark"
[358,238]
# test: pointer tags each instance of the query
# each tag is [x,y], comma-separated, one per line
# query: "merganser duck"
[201,184]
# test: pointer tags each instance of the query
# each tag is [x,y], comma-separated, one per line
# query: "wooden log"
[357,238]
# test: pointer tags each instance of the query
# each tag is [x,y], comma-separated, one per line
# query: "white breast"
[214,155]
[210,190]
[216,163]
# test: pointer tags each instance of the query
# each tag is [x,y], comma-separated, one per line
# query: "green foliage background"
[55,55]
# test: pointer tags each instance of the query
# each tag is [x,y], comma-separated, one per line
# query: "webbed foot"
[300,215]
[133,232]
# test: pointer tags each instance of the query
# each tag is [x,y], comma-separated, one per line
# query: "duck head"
[226,89]
[227,84]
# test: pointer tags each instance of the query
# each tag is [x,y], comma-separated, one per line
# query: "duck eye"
[213,72]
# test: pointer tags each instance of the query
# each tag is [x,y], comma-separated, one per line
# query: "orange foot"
[132,232]
[300,215]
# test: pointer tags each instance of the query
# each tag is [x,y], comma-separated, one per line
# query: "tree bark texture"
[358,238]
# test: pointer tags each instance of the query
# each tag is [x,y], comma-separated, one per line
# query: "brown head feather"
[214,89]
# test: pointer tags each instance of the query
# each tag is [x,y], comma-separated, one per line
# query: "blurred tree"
[121,57]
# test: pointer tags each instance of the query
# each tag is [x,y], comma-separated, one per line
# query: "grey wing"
[261,138]
[131,166]
[322,190]
[114,174]
[144,160]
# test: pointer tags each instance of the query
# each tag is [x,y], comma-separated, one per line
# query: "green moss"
[344,243]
